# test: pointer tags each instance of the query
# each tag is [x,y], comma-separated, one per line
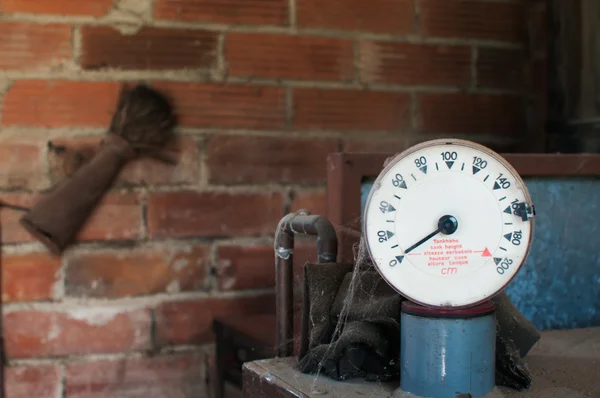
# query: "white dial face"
[448,223]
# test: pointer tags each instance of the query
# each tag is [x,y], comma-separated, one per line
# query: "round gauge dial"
[448,223]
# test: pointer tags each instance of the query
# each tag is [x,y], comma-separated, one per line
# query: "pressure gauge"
[448,223]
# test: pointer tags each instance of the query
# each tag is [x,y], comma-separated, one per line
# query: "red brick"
[142,171]
[315,201]
[316,109]
[190,322]
[289,57]
[472,114]
[473,19]
[75,331]
[117,217]
[161,376]
[383,16]
[245,267]
[11,230]
[32,46]
[213,214]
[257,12]
[133,272]
[149,48]
[22,166]
[414,64]
[29,277]
[94,8]
[375,146]
[72,104]
[502,68]
[27,381]
[227,106]
[255,160]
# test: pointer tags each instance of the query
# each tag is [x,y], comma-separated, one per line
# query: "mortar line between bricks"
[415,113]
[77,44]
[474,61]
[221,71]
[54,133]
[247,188]
[132,303]
[218,27]
[115,76]
[289,108]
[356,59]
[136,354]
[61,390]
[292,14]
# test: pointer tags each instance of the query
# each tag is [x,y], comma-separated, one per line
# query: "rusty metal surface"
[564,364]
[296,223]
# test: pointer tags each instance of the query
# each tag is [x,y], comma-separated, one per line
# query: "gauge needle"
[446,225]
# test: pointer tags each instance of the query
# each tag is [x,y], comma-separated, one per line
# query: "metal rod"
[291,224]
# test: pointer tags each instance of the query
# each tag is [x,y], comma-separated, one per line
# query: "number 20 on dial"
[448,223]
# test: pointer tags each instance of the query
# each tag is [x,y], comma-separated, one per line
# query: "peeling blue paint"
[559,286]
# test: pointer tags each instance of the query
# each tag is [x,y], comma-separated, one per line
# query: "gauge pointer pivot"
[446,225]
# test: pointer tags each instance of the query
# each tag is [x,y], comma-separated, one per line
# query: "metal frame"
[346,171]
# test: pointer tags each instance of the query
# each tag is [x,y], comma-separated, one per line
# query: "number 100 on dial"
[448,223]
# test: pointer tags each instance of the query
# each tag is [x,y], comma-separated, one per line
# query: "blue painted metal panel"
[442,357]
[559,286]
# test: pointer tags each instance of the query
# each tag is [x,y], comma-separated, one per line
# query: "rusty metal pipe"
[296,223]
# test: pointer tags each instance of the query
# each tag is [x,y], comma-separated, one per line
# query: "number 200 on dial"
[448,223]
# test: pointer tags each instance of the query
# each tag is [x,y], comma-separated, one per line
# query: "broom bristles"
[144,117]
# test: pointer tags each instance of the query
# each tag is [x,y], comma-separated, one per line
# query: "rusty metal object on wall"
[300,222]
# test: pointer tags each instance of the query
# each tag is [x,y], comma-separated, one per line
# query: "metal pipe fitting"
[300,222]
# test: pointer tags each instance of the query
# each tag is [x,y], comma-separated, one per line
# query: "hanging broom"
[142,124]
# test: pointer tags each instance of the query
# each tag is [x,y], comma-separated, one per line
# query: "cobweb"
[362,263]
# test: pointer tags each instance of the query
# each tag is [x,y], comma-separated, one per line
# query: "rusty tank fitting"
[300,222]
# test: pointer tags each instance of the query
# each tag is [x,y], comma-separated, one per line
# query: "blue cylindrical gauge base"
[446,353]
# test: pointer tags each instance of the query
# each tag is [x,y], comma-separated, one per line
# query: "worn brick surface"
[227,106]
[472,114]
[381,16]
[290,57]
[502,68]
[32,46]
[241,159]
[28,381]
[414,64]
[10,229]
[142,171]
[161,376]
[257,12]
[73,103]
[75,331]
[93,8]
[29,276]
[314,200]
[148,48]
[117,217]
[474,19]
[213,214]
[245,267]
[365,145]
[132,272]
[22,165]
[350,110]
[190,321]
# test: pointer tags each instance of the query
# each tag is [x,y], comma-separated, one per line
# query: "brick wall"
[264,90]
